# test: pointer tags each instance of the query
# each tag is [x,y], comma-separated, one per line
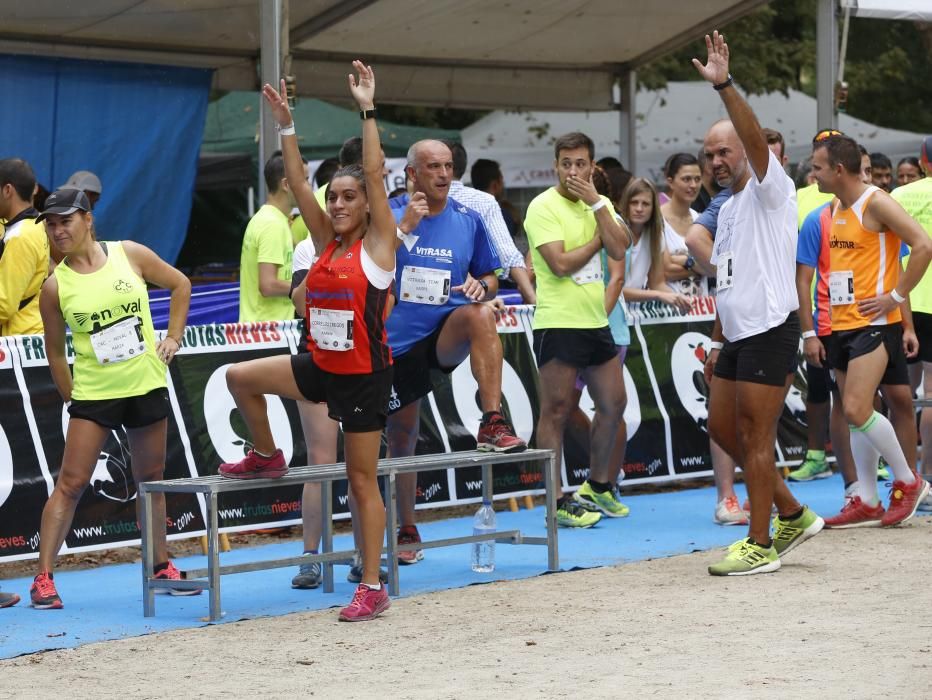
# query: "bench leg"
[487,483]
[553,554]
[391,533]
[213,558]
[148,593]
[326,540]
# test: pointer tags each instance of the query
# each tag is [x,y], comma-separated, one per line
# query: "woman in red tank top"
[346,301]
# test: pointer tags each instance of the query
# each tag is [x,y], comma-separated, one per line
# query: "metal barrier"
[326,474]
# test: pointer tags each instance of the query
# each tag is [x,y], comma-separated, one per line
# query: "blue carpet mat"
[106,603]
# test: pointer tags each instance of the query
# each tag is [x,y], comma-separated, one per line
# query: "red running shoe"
[255,466]
[171,573]
[366,604]
[408,534]
[43,593]
[856,513]
[496,435]
[904,500]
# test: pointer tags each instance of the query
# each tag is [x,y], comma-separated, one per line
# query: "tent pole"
[270,60]
[627,119]
[826,64]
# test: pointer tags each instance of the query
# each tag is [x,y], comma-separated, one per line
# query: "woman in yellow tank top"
[99,291]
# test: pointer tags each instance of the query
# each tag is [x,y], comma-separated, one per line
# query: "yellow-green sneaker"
[744,558]
[789,534]
[571,514]
[811,469]
[607,502]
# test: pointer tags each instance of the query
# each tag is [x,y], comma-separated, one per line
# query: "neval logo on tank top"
[102,316]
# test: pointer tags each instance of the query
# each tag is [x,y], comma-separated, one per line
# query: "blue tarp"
[137,126]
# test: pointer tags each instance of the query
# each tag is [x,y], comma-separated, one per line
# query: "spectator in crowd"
[709,187]
[119,376]
[646,281]
[486,176]
[776,144]
[268,249]
[87,182]
[38,199]
[684,180]
[916,199]
[567,227]
[881,171]
[908,170]
[488,208]
[24,250]
[325,171]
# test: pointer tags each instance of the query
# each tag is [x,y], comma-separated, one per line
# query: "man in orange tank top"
[866,288]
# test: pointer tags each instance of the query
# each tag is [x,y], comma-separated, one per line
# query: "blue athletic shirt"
[455,240]
[709,217]
[400,201]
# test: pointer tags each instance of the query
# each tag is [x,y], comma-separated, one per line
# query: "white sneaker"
[728,512]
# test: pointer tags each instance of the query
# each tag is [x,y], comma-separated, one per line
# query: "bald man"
[756,333]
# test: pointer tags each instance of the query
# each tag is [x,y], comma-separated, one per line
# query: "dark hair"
[351,151]
[842,150]
[483,173]
[38,200]
[601,182]
[325,171]
[879,160]
[354,171]
[677,161]
[911,160]
[571,141]
[618,178]
[863,151]
[17,172]
[459,157]
[773,136]
[608,163]
[274,172]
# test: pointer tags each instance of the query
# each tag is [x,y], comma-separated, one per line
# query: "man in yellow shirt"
[24,251]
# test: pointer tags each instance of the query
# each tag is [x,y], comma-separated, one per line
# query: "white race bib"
[725,271]
[590,272]
[120,342]
[841,287]
[425,285]
[331,329]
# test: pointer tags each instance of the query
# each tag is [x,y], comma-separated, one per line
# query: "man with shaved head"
[445,265]
[756,333]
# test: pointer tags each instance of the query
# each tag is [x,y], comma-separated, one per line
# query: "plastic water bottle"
[483,553]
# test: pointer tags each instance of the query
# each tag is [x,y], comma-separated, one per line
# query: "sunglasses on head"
[826,133]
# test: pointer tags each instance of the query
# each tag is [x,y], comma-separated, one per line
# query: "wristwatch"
[690,263]
[367,114]
[722,86]
[484,285]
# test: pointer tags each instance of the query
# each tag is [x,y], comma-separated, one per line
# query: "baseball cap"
[83,180]
[65,201]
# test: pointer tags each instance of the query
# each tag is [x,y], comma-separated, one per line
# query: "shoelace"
[45,587]
[358,596]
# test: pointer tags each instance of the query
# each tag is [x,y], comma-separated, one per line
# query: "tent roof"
[232,126]
[556,54]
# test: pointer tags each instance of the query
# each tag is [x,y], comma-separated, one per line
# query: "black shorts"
[577,347]
[412,371]
[765,358]
[356,400]
[130,412]
[820,382]
[923,324]
[844,346]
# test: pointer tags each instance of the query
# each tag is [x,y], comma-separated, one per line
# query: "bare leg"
[147,450]
[723,470]
[818,417]
[401,432]
[362,456]
[841,441]
[925,422]
[320,435]
[470,330]
[557,380]
[607,388]
[899,399]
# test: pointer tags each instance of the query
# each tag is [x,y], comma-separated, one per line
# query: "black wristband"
[484,284]
[727,83]
[367,113]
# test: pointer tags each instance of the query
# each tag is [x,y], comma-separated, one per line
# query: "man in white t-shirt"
[756,334]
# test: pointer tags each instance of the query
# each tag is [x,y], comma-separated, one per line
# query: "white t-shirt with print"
[755,255]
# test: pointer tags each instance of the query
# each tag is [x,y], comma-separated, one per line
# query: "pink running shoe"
[171,573]
[255,466]
[43,593]
[408,534]
[496,435]
[904,500]
[367,604]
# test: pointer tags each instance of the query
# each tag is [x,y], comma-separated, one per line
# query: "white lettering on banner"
[219,407]
[6,468]
[650,312]
[465,391]
[632,408]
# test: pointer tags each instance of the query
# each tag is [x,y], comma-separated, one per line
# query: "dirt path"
[848,616]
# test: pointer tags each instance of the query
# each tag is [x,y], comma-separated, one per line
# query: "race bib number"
[841,287]
[331,329]
[725,272]
[590,272]
[120,342]
[425,285]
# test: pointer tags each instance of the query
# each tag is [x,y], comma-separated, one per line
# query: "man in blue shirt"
[445,264]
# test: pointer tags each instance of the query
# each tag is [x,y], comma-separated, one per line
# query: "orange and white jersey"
[863,263]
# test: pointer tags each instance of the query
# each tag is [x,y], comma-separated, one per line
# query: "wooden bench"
[326,474]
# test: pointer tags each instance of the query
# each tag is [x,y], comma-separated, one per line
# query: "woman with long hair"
[684,179]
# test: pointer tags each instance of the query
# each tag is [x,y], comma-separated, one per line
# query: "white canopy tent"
[669,121]
[917,10]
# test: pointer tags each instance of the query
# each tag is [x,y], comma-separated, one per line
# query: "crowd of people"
[391,284]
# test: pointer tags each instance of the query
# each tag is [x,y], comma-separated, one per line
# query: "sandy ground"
[848,616]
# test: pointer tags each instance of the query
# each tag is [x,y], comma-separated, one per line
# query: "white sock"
[865,462]
[880,432]
[373,586]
